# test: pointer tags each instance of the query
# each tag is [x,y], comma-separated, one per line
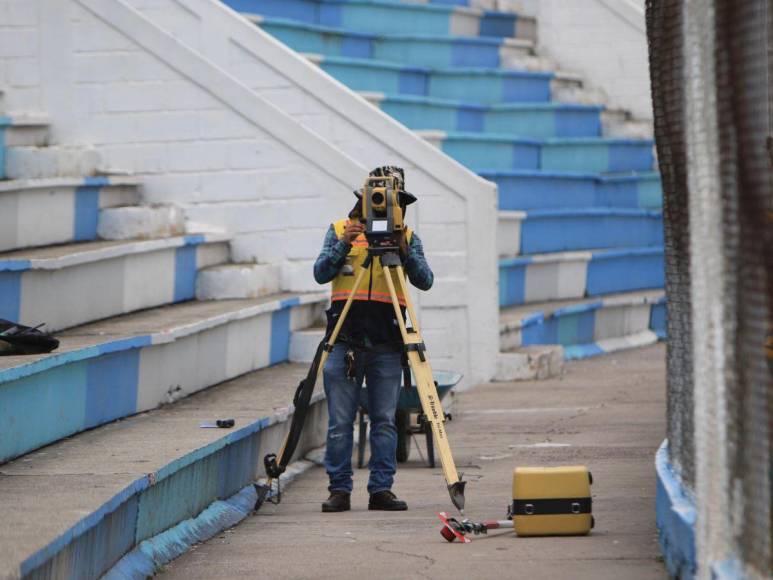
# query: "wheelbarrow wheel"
[403,437]
[430,444]
[363,434]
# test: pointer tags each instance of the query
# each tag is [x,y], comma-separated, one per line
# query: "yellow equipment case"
[552,501]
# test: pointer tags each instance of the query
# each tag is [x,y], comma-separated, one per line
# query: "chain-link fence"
[664,25]
[711,64]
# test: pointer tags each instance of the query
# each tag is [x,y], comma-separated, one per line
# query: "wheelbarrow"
[408,404]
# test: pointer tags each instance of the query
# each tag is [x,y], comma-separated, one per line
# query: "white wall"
[605,41]
[250,138]
[19,71]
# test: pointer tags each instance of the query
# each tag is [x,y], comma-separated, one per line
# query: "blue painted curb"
[504,107]
[370,15]
[593,211]
[675,516]
[120,525]
[636,176]
[574,327]
[505,138]
[373,64]
[148,558]
[436,48]
[49,362]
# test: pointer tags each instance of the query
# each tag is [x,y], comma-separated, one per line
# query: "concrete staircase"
[148,314]
[580,238]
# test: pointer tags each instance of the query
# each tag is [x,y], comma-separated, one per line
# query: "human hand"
[403,243]
[353,229]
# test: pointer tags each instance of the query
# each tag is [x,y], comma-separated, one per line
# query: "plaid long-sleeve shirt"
[334,252]
[369,322]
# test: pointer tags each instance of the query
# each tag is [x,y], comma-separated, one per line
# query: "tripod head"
[389,256]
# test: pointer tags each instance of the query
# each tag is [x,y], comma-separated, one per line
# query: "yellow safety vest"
[374,286]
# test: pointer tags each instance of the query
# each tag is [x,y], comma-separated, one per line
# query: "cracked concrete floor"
[607,413]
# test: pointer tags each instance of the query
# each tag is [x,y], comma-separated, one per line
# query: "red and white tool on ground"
[454,529]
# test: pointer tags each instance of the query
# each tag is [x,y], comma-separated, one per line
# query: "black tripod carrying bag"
[17,339]
[274,465]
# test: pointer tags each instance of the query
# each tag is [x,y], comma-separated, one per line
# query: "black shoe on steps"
[386,501]
[339,501]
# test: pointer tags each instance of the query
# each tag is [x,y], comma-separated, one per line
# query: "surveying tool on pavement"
[547,501]
[383,218]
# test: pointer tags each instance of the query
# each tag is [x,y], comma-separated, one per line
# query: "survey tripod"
[415,350]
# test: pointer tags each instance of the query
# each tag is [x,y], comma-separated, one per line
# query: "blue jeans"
[383,372]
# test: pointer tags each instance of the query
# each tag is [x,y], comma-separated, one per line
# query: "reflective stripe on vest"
[374,286]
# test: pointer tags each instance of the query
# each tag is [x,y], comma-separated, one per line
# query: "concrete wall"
[19,65]
[252,140]
[605,41]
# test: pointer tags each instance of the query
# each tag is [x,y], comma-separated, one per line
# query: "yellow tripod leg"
[400,275]
[425,385]
[323,358]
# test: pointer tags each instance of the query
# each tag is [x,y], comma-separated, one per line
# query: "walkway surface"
[607,412]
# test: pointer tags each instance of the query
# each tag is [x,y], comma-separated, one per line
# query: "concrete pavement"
[607,412]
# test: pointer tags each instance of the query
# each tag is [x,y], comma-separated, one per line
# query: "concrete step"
[565,91]
[20,131]
[237,281]
[35,162]
[483,4]
[533,120]
[563,275]
[130,364]
[621,123]
[587,327]
[487,86]
[495,152]
[72,284]
[141,222]
[440,51]
[526,78]
[74,509]
[304,342]
[27,206]
[530,363]
[528,189]
[409,18]
[568,230]
[513,56]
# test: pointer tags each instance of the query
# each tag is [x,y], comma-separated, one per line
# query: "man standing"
[369,346]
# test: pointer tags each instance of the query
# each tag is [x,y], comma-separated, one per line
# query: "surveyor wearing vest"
[371,336]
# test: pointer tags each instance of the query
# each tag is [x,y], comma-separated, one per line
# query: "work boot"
[337,502]
[386,501]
